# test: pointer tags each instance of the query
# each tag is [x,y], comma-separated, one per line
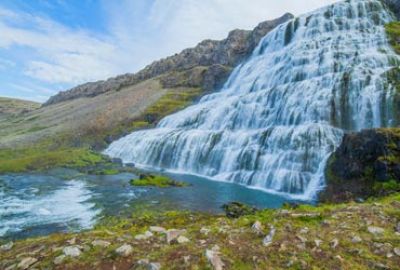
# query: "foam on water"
[284,111]
[26,208]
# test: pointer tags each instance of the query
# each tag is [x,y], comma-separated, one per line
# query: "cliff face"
[207,65]
[366,164]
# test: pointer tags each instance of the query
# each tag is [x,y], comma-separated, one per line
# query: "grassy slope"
[393,30]
[295,245]
[63,134]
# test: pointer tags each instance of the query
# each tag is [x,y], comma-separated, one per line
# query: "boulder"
[257,228]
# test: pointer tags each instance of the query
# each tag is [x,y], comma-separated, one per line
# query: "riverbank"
[342,236]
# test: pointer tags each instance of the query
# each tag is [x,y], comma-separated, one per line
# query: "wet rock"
[213,257]
[257,228]
[26,263]
[173,234]
[125,250]
[72,251]
[58,260]
[7,246]
[268,239]
[157,229]
[237,209]
[375,230]
[182,239]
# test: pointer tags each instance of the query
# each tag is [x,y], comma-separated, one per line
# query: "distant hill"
[13,107]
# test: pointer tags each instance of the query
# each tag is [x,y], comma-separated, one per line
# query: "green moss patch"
[33,159]
[157,181]
[393,31]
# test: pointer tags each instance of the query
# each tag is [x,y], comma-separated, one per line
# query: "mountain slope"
[95,113]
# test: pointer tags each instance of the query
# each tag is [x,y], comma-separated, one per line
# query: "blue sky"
[51,45]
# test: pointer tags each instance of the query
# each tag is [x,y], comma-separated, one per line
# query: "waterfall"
[283,112]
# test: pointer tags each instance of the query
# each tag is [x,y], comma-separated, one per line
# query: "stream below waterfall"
[64,200]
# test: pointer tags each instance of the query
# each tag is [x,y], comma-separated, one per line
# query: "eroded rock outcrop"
[207,65]
[367,163]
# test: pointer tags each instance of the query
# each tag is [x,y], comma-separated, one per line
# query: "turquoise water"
[64,200]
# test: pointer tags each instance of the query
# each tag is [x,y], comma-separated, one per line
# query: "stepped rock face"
[210,63]
[363,160]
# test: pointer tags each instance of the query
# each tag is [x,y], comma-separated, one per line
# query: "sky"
[51,45]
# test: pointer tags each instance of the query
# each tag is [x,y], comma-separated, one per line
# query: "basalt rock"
[367,163]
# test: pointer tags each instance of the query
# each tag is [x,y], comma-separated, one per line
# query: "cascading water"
[282,112]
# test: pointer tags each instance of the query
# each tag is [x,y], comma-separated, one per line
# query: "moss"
[157,181]
[39,157]
[393,31]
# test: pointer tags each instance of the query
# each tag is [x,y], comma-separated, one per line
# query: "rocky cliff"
[207,65]
[367,163]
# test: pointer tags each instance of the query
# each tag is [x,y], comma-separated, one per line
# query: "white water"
[27,208]
[282,113]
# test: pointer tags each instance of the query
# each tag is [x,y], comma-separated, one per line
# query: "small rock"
[204,231]
[144,236]
[268,239]
[301,238]
[317,242]
[125,250]
[202,242]
[182,239]
[396,251]
[173,234]
[26,263]
[157,229]
[100,243]
[389,255]
[58,260]
[356,239]
[72,251]
[375,230]
[154,266]
[257,228]
[7,246]
[72,241]
[186,259]
[214,258]
[304,230]
[334,243]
